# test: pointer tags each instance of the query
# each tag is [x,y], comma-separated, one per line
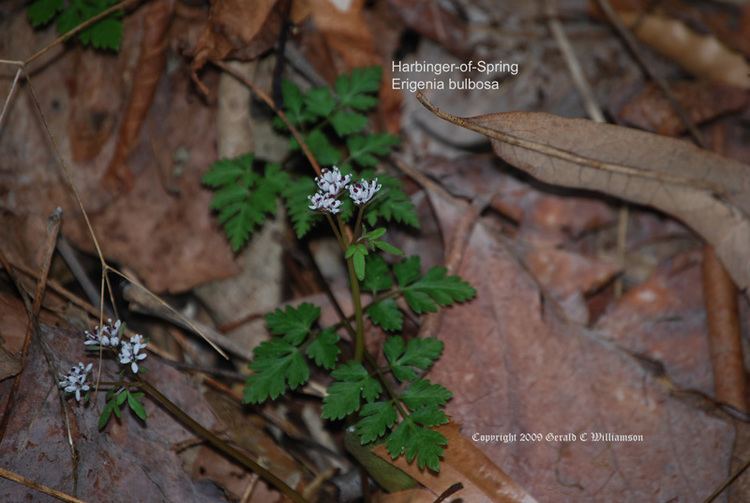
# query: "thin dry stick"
[11,93]
[268,101]
[595,113]
[20,479]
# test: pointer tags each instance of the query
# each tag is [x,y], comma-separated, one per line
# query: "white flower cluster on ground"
[108,336]
[331,184]
[75,381]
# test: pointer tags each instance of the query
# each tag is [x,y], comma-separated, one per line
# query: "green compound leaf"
[320,102]
[41,12]
[386,315]
[135,404]
[293,102]
[363,149]
[352,383]
[415,441]
[408,271]
[429,416]
[405,357]
[435,289]
[276,365]
[293,323]
[345,123]
[243,198]
[376,418]
[423,393]
[391,204]
[377,276]
[297,204]
[354,90]
[324,349]
[322,148]
[104,34]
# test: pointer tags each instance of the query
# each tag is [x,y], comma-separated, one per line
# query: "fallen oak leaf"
[703,189]
[483,481]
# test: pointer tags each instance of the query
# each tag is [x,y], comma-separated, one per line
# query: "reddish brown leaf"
[650,109]
[517,367]
[238,30]
[150,66]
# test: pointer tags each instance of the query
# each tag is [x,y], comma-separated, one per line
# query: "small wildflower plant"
[108,340]
[383,398]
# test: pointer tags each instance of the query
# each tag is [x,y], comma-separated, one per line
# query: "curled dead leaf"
[237,29]
[703,189]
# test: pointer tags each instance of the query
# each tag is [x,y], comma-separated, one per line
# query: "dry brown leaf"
[703,56]
[708,192]
[239,30]
[433,21]
[516,366]
[463,462]
[151,62]
[651,110]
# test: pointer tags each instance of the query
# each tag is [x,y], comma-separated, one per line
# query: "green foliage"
[116,399]
[416,441]
[418,353]
[377,276]
[377,418]
[333,125]
[363,149]
[357,253]
[280,362]
[435,289]
[104,34]
[352,383]
[324,350]
[293,323]
[386,315]
[296,195]
[243,198]
[391,204]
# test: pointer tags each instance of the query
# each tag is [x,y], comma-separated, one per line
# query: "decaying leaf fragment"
[708,192]
[242,30]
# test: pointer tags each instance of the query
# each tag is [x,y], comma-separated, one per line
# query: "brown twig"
[268,101]
[20,479]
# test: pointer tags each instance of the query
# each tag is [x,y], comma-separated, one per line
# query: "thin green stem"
[358,223]
[337,232]
[220,444]
[386,384]
[359,339]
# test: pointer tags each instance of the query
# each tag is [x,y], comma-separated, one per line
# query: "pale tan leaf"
[708,192]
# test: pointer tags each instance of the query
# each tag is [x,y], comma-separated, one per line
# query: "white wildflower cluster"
[331,184]
[76,380]
[106,336]
[129,352]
